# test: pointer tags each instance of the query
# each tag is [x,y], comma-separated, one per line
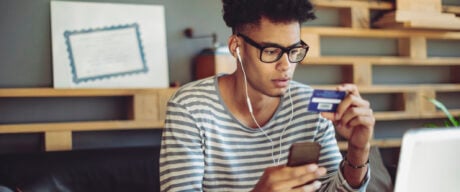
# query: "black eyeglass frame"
[283,49]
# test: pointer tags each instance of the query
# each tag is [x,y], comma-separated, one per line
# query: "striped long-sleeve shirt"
[205,148]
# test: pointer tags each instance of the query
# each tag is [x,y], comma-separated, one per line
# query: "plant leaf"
[431,125]
[447,124]
[443,108]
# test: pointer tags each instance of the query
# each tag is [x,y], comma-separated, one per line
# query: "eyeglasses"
[272,53]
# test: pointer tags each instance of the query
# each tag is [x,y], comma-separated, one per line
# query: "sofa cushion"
[125,169]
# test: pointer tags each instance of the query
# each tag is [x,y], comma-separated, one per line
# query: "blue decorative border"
[77,79]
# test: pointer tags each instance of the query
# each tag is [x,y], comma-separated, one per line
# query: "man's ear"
[233,44]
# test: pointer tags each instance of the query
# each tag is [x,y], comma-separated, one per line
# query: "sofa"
[116,169]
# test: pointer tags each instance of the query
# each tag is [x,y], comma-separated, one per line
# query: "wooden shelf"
[81,126]
[412,51]
[412,46]
[378,33]
[381,143]
[147,111]
[381,60]
[376,5]
[440,114]
[50,92]
[451,9]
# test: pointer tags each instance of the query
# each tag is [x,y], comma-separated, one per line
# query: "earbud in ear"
[238,54]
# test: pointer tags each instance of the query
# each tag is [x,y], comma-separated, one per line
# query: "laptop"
[429,161]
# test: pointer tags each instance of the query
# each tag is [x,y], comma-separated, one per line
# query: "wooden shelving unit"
[412,51]
[147,111]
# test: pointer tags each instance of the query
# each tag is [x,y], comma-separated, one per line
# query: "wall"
[25,61]
[25,41]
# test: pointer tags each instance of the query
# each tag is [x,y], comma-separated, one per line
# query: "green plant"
[452,122]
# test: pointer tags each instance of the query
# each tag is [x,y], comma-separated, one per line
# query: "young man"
[232,132]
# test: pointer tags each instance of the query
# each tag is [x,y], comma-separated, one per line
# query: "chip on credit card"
[325,100]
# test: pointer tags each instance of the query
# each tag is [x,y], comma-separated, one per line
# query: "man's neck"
[234,96]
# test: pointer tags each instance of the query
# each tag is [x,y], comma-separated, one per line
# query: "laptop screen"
[429,161]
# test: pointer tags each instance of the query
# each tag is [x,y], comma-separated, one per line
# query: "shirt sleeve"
[181,157]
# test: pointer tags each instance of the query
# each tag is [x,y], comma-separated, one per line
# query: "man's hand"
[354,119]
[284,178]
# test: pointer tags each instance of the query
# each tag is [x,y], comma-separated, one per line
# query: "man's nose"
[284,63]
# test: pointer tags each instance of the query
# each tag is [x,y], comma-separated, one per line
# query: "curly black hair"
[238,13]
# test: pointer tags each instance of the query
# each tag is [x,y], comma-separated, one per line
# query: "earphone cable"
[248,101]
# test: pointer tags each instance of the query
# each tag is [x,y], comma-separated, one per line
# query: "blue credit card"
[325,100]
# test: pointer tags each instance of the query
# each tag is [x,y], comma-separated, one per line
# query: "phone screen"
[303,153]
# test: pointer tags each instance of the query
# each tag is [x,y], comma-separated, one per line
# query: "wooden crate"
[421,14]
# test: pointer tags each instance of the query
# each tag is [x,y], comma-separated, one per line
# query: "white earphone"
[238,54]
[248,102]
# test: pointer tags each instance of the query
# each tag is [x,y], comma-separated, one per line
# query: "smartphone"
[302,153]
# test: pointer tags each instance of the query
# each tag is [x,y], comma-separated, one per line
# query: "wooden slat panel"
[394,115]
[58,140]
[384,60]
[412,103]
[428,21]
[377,5]
[381,143]
[451,9]
[362,74]
[80,126]
[313,42]
[426,107]
[378,33]
[420,14]
[413,47]
[386,143]
[440,114]
[145,107]
[355,17]
[50,92]
[424,6]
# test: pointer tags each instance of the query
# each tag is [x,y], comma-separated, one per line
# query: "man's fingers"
[366,121]
[349,88]
[293,177]
[359,115]
[328,115]
[348,102]
[312,187]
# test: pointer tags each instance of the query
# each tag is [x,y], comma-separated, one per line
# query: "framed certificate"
[105,45]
